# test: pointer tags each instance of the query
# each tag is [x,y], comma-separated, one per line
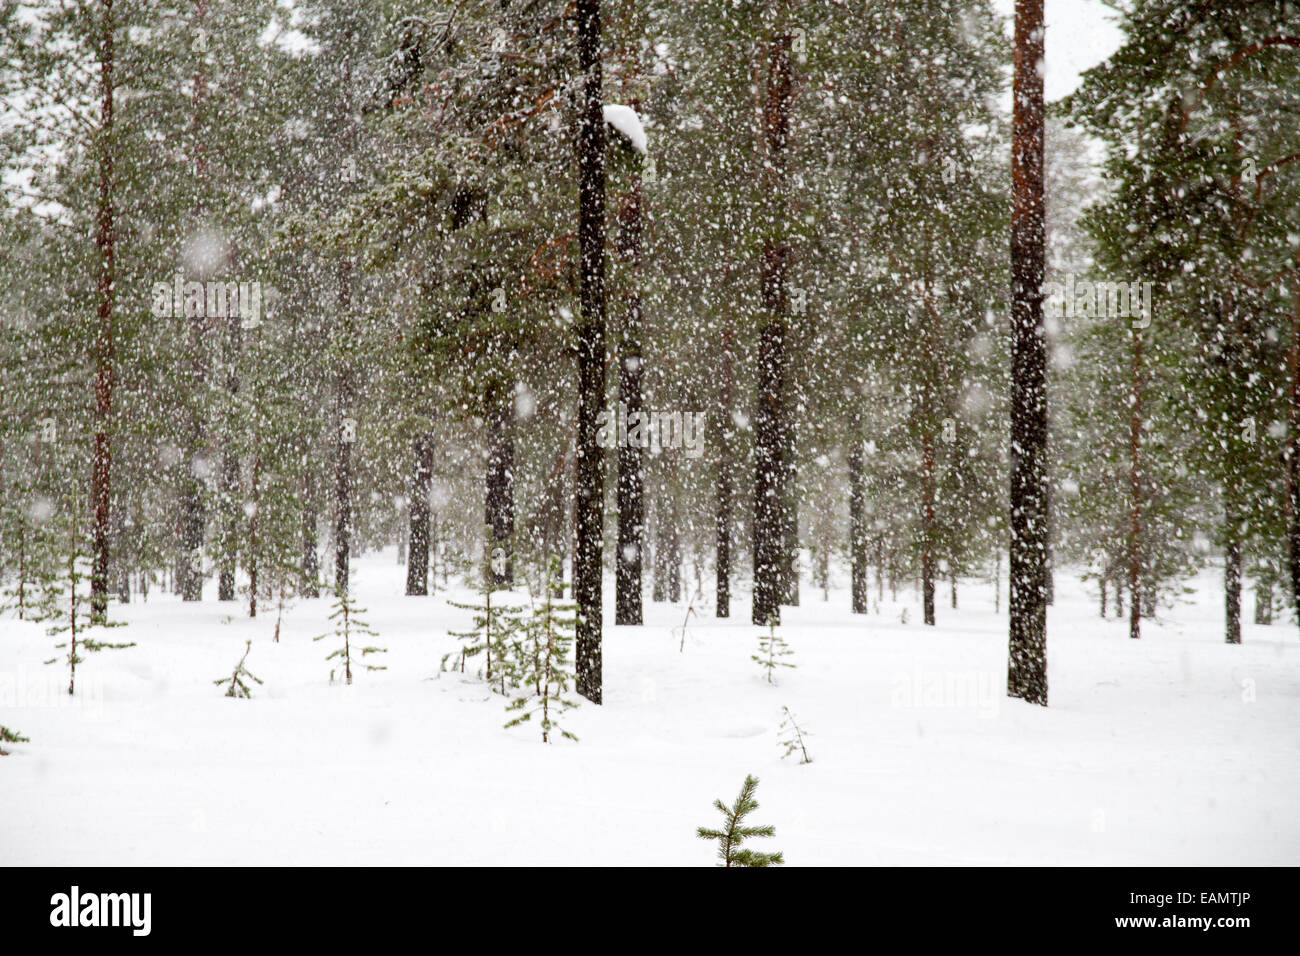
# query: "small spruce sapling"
[8,736]
[792,736]
[735,832]
[544,665]
[495,631]
[348,624]
[771,648]
[78,618]
[237,686]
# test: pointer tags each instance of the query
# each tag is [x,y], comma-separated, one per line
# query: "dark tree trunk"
[589,486]
[499,494]
[790,516]
[659,559]
[631,457]
[1232,571]
[1293,444]
[105,236]
[252,540]
[229,481]
[344,438]
[723,498]
[771,558]
[1135,490]
[310,584]
[1027,661]
[858,526]
[880,570]
[927,520]
[417,550]
[1102,582]
[1264,576]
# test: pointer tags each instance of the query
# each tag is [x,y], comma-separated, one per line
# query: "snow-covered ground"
[1176,749]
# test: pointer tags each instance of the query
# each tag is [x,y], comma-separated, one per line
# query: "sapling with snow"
[8,736]
[544,663]
[771,648]
[792,736]
[349,625]
[496,628]
[79,617]
[237,686]
[734,832]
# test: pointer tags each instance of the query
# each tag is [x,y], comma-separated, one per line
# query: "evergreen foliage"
[237,687]
[544,663]
[734,831]
[792,737]
[771,648]
[8,736]
[350,627]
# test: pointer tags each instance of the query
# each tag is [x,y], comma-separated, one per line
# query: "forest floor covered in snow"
[1175,750]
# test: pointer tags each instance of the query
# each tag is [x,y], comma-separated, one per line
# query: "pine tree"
[496,630]
[771,648]
[348,624]
[8,736]
[237,686]
[80,615]
[792,737]
[1027,659]
[543,663]
[734,831]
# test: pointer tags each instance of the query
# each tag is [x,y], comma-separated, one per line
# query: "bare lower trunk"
[1027,661]
[417,549]
[588,503]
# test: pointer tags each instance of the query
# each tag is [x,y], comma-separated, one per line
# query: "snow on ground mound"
[1175,750]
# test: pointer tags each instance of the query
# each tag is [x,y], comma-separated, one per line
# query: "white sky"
[1080,34]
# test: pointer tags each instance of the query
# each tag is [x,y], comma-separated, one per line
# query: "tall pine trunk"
[105,236]
[1232,567]
[1292,452]
[858,523]
[499,495]
[589,484]
[631,457]
[722,517]
[1135,491]
[417,549]
[229,480]
[1027,661]
[771,529]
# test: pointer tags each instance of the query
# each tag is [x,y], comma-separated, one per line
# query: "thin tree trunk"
[858,526]
[1264,593]
[105,236]
[1135,490]
[252,561]
[771,530]
[724,491]
[1027,659]
[344,437]
[631,457]
[1232,576]
[230,472]
[499,496]
[589,504]
[1292,504]
[417,549]
[927,519]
